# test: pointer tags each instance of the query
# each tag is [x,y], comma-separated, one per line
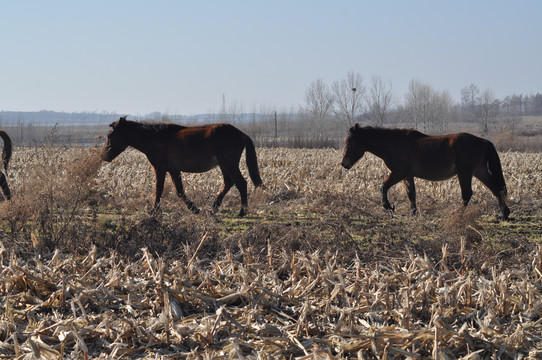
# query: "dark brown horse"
[173,148]
[6,156]
[409,154]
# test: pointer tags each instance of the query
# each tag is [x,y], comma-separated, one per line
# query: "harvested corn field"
[316,270]
[307,306]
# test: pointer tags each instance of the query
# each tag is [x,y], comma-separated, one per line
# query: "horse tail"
[494,168]
[6,153]
[252,162]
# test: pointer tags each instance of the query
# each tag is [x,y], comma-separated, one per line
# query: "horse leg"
[411,193]
[391,180]
[178,181]
[228,183]
[5,187]
[160,178]
[233,172]
[500,193]
[465,182]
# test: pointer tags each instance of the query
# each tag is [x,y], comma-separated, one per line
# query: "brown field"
[317,270]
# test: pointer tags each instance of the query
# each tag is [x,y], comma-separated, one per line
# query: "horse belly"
[195,164]
[436,172]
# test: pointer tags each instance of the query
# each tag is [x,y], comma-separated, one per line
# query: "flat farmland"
[318,269]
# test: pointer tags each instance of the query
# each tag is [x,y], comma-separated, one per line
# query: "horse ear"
[123,118]
[353,129]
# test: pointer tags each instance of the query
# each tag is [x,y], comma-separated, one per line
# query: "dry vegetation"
[318,270]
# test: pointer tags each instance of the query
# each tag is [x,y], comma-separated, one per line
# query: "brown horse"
[173,148]
[6,156]
[409,154]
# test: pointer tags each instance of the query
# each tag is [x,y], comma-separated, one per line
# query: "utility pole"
[223,109]
[276,128]
[353,104]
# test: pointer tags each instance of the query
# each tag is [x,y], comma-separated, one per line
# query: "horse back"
[210,136]
[201,148]
[458,145]
[468,147]
[441,157]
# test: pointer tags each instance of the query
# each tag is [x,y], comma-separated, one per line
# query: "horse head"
[353,150]
[115,142]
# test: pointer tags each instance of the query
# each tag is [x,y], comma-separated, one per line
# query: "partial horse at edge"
[6,156]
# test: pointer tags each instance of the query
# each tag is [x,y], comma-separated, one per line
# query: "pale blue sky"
[179,57]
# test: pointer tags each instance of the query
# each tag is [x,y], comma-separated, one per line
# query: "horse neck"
[140,137]
[378,143]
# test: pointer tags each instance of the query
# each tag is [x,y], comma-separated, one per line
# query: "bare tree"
[234,113]
[510,111]
[488,109]
[349,97]
[470,97]
[418,98]
[428,107]
[443,109]
[318,105]
[379,100]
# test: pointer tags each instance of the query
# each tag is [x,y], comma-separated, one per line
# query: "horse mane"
[391,131]
[152,130]
[147,132]
[155,127]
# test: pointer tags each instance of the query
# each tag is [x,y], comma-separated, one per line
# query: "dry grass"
[305,306]
[317,270]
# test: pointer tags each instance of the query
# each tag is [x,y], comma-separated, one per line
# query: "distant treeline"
[322,121]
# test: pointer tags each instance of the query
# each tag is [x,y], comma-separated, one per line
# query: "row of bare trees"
[427,108]
[492,113]
[329,109]
[351,100]
[348,99]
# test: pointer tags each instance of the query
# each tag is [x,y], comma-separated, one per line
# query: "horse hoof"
[389,208]
[242,213]
[506,214]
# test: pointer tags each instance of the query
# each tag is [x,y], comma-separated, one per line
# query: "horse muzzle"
[346,164]
[106,156]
